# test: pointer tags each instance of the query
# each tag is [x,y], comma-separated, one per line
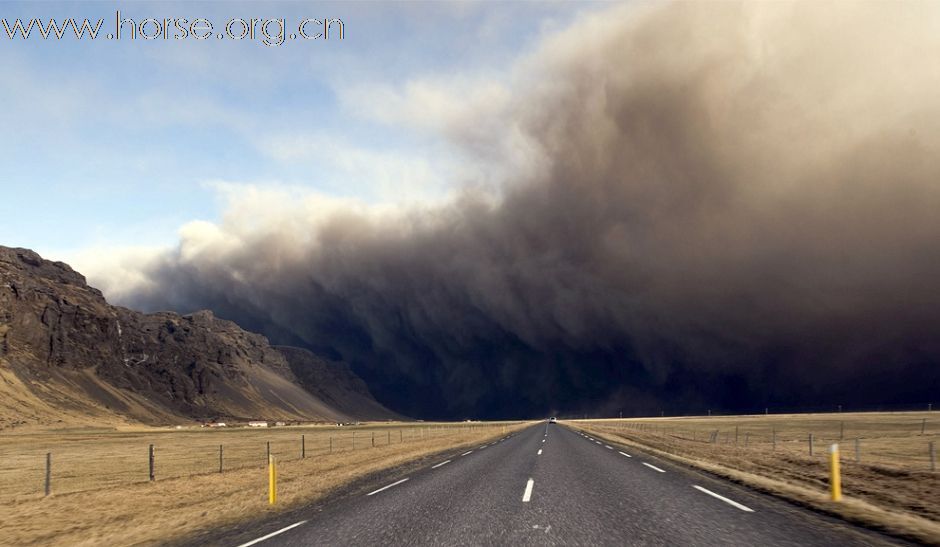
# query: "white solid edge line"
[540,452]
[724,499]
[440,464]
[625,454]
[467,453]
[272,534]
[527,495]
[651,466]
[387,487]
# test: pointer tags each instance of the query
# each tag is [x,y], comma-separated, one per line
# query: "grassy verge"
[172,509]
[898,501]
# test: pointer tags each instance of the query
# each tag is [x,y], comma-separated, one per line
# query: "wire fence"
[905,443]
[40,464]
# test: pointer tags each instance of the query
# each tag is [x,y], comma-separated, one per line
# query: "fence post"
[747,437]
[736,435]
[373,438]
[388,437]
[933,457]
[923,427]
[150,459]
[401,436]
[272,481]
[331,444]
[773,437]
[220,458]
[303,447]
[269,451]
[841,430]
[858,451]
[49,473]
[835,478]
[810,444]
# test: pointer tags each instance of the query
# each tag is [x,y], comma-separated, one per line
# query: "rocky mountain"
[332,382]
[67,356]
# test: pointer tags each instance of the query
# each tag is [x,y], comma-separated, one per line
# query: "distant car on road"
[552,420]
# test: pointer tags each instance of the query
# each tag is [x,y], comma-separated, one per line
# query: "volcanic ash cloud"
[731,205]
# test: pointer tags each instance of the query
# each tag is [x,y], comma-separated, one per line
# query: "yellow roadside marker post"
[272,480]
[835,478]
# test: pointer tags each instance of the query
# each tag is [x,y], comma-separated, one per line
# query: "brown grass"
[129,512]
[892,487]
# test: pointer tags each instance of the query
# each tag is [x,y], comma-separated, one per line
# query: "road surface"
[550,485]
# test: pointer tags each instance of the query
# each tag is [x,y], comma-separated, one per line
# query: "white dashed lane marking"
[724,499]
[527,495]
[272,534]
[386,487]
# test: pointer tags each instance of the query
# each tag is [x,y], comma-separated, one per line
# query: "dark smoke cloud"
[737,206]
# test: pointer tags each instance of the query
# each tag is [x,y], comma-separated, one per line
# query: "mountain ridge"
[68,356]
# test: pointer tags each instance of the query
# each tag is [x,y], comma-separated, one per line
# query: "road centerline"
[440,464]
[527,495]
[653,467]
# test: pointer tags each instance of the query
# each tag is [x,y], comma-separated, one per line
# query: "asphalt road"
[550,485]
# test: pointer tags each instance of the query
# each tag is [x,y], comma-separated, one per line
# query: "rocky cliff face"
[334,383]
[64,351]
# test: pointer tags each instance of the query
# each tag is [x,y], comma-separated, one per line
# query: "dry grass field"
[888,482]
[101,493]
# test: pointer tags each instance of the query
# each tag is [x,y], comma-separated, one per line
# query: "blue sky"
[111,144]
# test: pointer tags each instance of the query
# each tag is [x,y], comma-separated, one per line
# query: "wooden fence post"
[858,451]
[48,473]
[810,444]
[923,427]
[220,458]
[303,447]
[150,459]
[773,437]
[933,457]
[331,444]
[841,430]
